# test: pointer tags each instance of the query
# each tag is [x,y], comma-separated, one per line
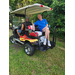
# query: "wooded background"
[54,17]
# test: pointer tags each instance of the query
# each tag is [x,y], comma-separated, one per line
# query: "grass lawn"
[51,62]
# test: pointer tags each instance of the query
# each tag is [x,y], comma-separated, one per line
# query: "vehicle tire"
[12,39]
[29,49]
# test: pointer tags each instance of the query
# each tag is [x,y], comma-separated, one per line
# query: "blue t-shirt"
[41,24]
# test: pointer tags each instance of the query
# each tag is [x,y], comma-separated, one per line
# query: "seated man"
[43,26]
[23,25]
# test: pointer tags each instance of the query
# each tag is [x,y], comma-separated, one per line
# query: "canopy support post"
[25,19]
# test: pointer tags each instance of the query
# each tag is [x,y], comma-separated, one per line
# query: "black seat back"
[37,28]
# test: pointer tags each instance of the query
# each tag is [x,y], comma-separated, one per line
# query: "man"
[23,25]
[43,26]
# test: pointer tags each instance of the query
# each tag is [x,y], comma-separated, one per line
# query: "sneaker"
[49,43]
[44,42]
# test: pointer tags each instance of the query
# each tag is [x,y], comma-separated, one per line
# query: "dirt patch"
[34,59]
[61,40]
[15,47]
[33,72]
[61,48]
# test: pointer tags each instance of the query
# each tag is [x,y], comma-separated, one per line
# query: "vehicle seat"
[37,30]
[39,33]
[36,27]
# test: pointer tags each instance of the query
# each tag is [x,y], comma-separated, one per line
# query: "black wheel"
[12,39]
[29,49]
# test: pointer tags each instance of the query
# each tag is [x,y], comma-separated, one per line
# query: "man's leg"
[47,36]
[46,33]
[18,32]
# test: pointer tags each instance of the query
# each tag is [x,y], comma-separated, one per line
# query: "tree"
[58,16]
[54,17]
[13,4]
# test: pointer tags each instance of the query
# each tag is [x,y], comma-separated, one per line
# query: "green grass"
[51,62]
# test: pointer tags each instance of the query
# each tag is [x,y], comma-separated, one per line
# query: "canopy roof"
[32,9]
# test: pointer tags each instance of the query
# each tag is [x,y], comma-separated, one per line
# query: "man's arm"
[22,27]
[46,25]
[33,27]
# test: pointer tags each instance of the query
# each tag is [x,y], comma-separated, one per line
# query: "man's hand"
[45,27]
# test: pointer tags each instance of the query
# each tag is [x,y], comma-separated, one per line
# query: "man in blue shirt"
[43,26]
